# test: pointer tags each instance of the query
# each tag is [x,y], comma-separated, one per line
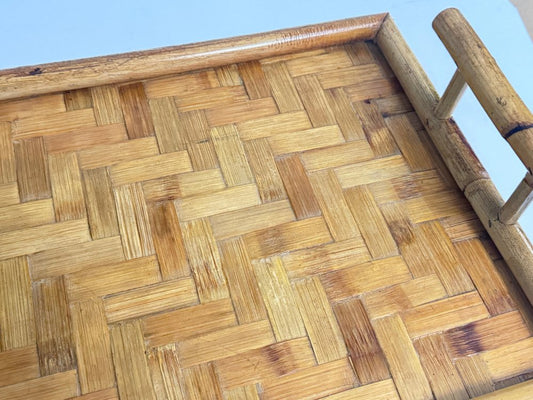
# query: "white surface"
[525,8]
[43,31]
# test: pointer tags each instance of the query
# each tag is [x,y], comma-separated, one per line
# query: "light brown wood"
[280,301]
[57,386]
[106,103]
[273,361]
[490,334]
[7,164]
[131,368]
[231,156]
[319,321]
[459,158]
[151,299]
[336,211]
[474,372]
[518,202]
[18,365]
[77,74]
[93,348]
[168,242]
[442,375]
[17,315]
[451,96]
[166,374]
[136,111]
[225,343]
[238,251]
[383,390]
[133,221]
[53,327]
[66,185]
[404,365]
[62,260]
[201,382]
[367,357]
[516,392]
[298,187]
[318,381]
[479,69]
[101,212]
[242,283]
[204,260]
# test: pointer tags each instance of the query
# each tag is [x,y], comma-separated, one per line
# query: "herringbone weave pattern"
[279,229]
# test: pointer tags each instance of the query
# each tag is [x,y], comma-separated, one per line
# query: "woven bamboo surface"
[277,229]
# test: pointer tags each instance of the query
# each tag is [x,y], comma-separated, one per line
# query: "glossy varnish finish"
[279,229]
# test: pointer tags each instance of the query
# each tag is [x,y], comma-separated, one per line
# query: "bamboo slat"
[53,327]
[231,155]
[57,386]
[333,205]
[78,99]
[404,365]
[168,327]
[319,321]
[204,260]
[93,348]
[18,365]
[489,333]
[135,110]
[474,372]
[131,367]
[242,283]
[183,185]
[442,375]
[200,382]
[166,373]
[280,301]
[151,299]
[274,361]
[168,242]
[68,259]
[228,342]
[319,381]
[367,357]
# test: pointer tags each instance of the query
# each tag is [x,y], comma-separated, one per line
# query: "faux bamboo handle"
[481,72]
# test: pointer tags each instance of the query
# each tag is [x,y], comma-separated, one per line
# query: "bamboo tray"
[290,215]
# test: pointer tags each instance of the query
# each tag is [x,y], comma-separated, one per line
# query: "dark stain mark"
[36,71]
[501,101]
[402,232]
[521,126]
[367,101]
[466,340]
[272,354]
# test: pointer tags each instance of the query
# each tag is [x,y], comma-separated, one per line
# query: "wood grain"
[278,227]
[17,316]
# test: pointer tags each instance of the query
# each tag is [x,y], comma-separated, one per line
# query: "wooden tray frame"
[463,164]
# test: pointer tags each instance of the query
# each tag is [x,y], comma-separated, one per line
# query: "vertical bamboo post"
[518,202]
[451,96]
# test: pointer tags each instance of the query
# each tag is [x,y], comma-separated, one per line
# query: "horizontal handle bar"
[479,69]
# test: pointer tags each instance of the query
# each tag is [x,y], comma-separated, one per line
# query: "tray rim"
[139,65]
